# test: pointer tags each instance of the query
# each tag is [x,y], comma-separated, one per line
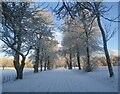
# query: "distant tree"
[68,52]
[28,63]
[50,49]
[4,62]
[42,25]
[64,53]
[103,61]
[80,39]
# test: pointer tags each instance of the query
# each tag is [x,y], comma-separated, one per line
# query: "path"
[60,81]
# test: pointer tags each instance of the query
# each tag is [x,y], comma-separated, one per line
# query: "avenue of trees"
[27,32]
[27,29]
[77,41]
[85,12]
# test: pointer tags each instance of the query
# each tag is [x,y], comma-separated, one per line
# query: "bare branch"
[68,9]
[111,20]
[113,33]
[28,51]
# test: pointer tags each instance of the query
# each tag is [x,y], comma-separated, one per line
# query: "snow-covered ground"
[9,74]
[61,80]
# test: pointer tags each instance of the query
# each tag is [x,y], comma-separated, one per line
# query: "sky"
[112,43]
[113,13]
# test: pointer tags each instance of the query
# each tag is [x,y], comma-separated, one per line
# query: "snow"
[62,80]
[9,74]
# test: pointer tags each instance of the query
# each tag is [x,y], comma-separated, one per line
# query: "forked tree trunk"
[111,73]
[19,71]
[19,68]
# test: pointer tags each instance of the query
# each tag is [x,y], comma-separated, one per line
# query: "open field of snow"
[61,80]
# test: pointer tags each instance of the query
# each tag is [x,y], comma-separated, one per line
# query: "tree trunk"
[3,67]
[78,60]
[19,73]
[36,66]
[36,62]
[88,68]
[19,68]
[16,64]
[70,66]
[48,65]
[111,73]
[41,65]
[67,63]
[45,66]
[86,28]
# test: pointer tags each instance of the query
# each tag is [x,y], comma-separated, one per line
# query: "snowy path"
[64,81]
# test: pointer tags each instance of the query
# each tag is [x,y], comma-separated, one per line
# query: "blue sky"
[113,42]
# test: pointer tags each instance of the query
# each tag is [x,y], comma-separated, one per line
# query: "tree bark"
[48,64]
[19,68]
[67,63]
[111,73]
[45,65]
[19,71]
[36,67]
[36,62]
[88,68]
[78,60]
[41,64]
[17,65]
[70,57]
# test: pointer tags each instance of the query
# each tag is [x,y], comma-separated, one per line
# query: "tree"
[50,50]
[98,15]
[64,53]
[98,9]
[42,25]
[4,62]
[13,33]
[67,50]
[80,39]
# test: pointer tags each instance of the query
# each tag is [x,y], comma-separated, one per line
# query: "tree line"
[88,13]
[7,62]
[27,32]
